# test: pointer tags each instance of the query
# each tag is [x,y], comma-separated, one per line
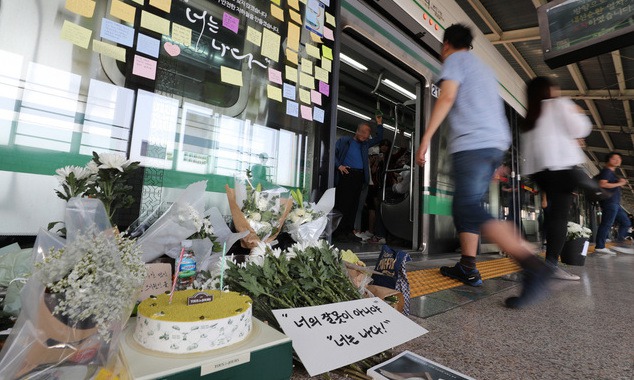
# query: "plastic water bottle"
[187,269]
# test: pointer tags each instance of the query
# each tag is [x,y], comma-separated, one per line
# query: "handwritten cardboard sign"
[330,336]
[158,280]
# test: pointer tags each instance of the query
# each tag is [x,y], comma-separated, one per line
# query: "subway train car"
[201,90]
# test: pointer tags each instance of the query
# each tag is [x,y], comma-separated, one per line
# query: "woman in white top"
[550,145]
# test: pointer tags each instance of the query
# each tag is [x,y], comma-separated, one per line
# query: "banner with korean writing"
[331,336]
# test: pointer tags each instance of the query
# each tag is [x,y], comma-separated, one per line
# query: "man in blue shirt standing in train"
[479,136]
[352,173]
[611,210]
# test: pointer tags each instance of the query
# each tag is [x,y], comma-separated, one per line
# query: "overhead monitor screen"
[573,30]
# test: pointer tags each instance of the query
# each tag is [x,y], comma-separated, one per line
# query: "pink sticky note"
[315,97]
[275,76]
[307,113]
[324,88]
[144,67]
[230,22]
[328,34]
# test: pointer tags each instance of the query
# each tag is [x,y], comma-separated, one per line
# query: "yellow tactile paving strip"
[426,281]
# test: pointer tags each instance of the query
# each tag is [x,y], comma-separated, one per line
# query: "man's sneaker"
[604,251]
[560,274]
[377,240]
[459,272]
[534,286]
[363,235]
[623,249]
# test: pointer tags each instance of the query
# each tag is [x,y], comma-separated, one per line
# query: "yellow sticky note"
[76,34]
[276,2]
[85,8]
[290,73]
[274,93]
[293,4]
[321,74]
[164,5]
[292,41]
[254,36]
[271,45]
[330,19]
[307,66]
[277,12]
[315,38]
[326,64]
[155,23]
[181,34]
[116,52]
[230,76]
[313,51]
[292,56]
[326,51]
[140,2]
[304,96]
[303,1]
[306,80]
[122,11]
[295,16]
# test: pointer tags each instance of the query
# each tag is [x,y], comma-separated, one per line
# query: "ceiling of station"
[602,85]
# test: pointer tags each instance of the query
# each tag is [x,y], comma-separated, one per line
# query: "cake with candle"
[192,322]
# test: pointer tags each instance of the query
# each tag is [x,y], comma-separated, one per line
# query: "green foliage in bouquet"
[301,276]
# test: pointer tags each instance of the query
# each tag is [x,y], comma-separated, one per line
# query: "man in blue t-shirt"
[479,136]
[352,172]
[611,210]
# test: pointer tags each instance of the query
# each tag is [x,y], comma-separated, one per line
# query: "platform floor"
[584,330]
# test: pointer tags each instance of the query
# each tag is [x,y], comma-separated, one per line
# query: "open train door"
[399,194]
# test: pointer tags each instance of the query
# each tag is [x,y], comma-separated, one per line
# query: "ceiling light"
[354,113]
[398,88]
[344,58]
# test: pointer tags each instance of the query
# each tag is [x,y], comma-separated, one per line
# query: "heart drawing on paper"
[171,49]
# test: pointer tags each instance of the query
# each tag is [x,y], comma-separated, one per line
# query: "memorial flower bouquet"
[105,177]
[576,231]
[78,299]
[307,221]
[261,212]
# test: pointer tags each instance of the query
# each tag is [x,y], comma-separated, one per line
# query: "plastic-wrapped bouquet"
[261,212]
[307,221]
[77,301]
[577,231]
[182,219]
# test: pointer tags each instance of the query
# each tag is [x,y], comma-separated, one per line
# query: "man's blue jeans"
[472,174]
[612,212]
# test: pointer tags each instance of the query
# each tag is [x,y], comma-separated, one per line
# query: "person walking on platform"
[479,135]
[611,210]
[551,151]
[352,173]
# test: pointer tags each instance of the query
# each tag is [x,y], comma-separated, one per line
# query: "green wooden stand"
[265,354]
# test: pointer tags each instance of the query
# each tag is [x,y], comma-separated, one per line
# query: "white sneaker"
[626,250]
[604,251]
[561,274]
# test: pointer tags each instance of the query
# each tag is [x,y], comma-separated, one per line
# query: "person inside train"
[549,144]
[611,210]
[479,135]
[352,174]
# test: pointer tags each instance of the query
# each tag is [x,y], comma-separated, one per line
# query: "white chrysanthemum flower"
[79,173]
[263,204]
[113,161]
[92,167]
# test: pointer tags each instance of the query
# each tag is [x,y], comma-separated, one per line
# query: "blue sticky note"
[148,45]
[292,108]
[289,91]
[116,32]
[318,114]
